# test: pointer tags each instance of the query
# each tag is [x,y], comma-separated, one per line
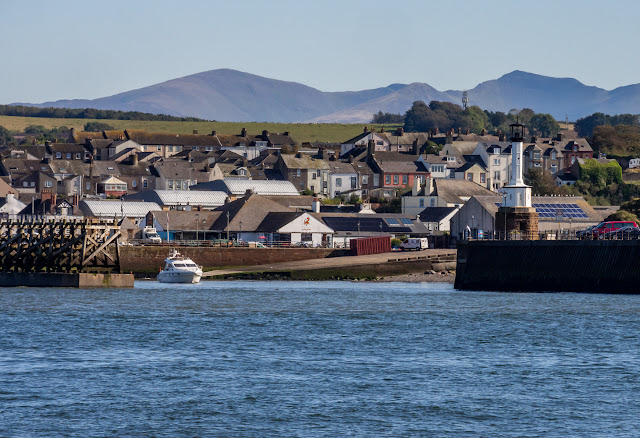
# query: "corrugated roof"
[209,199]
[111,208]
[240,187]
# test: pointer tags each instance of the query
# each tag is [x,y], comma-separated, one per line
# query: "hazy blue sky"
[87,49]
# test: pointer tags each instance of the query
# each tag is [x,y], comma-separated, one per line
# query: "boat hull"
[179,277]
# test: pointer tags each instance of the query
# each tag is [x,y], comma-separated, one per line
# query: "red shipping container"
[370,245]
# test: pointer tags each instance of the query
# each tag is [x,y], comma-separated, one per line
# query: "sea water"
[317,359]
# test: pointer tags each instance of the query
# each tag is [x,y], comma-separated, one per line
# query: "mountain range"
[234,96]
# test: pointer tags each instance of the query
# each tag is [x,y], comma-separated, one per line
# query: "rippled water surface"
[316,358]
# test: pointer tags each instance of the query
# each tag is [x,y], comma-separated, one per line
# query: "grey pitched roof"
[273,221]
[250,210]
[186,220]
[453,190]
[435,214]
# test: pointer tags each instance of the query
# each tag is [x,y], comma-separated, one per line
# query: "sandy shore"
[442,277]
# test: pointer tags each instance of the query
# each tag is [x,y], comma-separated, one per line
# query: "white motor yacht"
[179,269]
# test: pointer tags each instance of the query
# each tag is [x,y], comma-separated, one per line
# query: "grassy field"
[322,132]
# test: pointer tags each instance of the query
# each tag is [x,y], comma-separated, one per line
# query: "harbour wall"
[151,258]
[559,266]
[58,279]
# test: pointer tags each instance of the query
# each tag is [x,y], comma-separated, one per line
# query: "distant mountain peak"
[226,94]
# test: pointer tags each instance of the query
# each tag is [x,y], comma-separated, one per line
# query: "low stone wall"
[56,279]
[559,266]
[151,258]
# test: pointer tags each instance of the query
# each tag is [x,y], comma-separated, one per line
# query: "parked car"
[605,227]
[625,233]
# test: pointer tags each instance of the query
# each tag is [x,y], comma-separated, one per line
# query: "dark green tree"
[5,136]
[97,127]
[544,124]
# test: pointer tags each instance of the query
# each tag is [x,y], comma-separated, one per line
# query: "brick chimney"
[371,149]
[134,159]
[500,135]
[213,133]
[366,129]
[243,133]
[195,132]
[559,137]
[400,130]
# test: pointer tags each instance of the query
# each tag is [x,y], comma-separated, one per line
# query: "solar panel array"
[551,210]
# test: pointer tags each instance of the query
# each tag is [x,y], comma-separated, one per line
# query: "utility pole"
[227,228]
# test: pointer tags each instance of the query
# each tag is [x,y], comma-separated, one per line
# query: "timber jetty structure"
[64,253]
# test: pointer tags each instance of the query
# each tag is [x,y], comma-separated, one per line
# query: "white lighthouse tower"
[516,216]
[518,194]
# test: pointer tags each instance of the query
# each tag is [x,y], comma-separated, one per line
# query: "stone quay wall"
[558,266]
[151,258]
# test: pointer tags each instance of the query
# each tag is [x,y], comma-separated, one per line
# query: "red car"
[606,227]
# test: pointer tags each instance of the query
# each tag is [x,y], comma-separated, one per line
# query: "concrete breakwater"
[83,280]
[558,266]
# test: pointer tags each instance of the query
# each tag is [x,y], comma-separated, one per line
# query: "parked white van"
[417,244]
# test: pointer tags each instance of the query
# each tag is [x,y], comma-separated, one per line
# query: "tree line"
[443,116]
[88,113]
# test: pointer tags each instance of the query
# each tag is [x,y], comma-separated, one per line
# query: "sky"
[85,49]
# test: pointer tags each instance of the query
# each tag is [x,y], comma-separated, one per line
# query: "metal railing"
[562,234]
[223,243]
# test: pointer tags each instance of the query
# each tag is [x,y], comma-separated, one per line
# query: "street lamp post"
[197,221]
[227,228]
[504,205]
[358,228]
[240,236]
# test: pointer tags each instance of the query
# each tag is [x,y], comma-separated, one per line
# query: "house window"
[470,176]
[338,182]
[25,184]
[48,184]
[185,184]
[433,202]
[68,155]
[313,176]
[554,168]
[298,173]
[421,203]
[354,182]
[387,179]
[134,183]
[313,189]
[208,148]
[379,143]
[170,148]
[78,156]
[573,159]
[365,179]
[170,184]
[396,180]
[483,178]
[58,155]
[159,148]
[496,175]
[306,237]
[536,155]
[318,173]
[496,161]
[145,183]
[405,179]
[88,186]
[537,164]
[554,155]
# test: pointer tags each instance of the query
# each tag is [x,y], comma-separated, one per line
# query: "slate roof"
[343,223]
[303,162]
[251,210]
[453,190]
[436,214]
[273,221]
[186,220]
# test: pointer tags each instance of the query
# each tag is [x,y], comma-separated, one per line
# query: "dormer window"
[58,155]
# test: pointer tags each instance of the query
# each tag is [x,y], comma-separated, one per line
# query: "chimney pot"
[195,132]
[243,133]
[213,133]
[366,129]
